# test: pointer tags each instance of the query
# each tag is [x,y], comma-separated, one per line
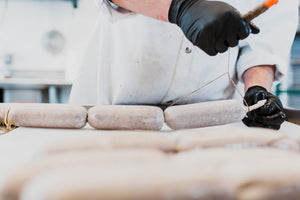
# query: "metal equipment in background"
[74,2]
[289,92]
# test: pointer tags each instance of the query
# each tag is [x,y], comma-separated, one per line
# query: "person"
[155,52]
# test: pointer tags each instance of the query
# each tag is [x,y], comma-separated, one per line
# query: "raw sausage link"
[119,117]
[47,115]
[204,114]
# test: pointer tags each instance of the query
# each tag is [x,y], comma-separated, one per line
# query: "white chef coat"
[134,59]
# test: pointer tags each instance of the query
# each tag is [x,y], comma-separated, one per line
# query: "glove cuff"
[256,88]
[178,7]
[173,10]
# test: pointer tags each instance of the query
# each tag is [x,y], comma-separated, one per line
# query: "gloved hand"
[213,26]
[270,115]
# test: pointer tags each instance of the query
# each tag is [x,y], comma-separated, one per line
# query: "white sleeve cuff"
[249,58]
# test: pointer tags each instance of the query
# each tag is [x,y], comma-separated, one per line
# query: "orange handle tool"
[259,10]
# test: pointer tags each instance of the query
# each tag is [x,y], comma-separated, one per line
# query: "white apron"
[133,59]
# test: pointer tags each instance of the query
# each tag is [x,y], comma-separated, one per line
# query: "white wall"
[26,23]
[82,26]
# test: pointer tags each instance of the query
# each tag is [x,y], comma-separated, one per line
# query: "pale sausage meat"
[204,114]
[120,117]
[46,115]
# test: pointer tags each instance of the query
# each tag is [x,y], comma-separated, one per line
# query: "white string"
[191,93]
[7,123]
[217,78]
[175,71]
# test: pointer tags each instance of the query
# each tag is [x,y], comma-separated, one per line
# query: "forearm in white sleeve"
[272,45]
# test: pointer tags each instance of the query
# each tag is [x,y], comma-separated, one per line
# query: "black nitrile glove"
[213,26]
[270,115]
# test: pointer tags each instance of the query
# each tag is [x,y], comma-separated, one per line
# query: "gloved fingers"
[275,98]
[209,49]
[205,43]
[243,30]
[275,119]
[254,123]
[268,120]
[239,28]
[254,28]
[238,31]
[221,45]
[269,108]
[276,127]
[232,41]
[270,115]
[221,48]
[211,52]
[260,95]
[255,94]
[252,99]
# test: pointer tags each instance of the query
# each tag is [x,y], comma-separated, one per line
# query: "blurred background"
[41,42]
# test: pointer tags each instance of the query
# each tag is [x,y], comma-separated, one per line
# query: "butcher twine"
[231,81]
[7,123]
